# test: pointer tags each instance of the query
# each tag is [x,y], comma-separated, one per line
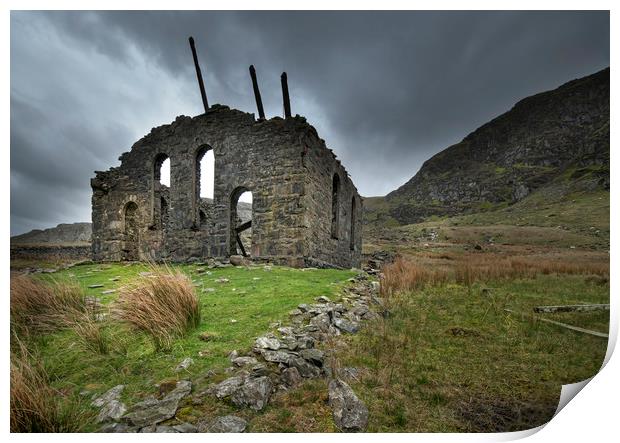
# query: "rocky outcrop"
[503,161]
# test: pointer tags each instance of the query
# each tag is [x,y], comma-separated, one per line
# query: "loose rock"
[254,393]
[227,423]
[350,413]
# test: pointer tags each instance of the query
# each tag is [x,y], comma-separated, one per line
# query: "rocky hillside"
[559,133]
[64,233]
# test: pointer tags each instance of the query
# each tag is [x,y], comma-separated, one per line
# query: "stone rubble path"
[280,361]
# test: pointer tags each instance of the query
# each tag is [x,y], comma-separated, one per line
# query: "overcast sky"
[385,90]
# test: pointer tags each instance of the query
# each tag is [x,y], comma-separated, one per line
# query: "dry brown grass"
[41,307]
[162,304]
[406,275]
[35,406]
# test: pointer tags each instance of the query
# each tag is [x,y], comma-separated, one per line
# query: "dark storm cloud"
[386,90]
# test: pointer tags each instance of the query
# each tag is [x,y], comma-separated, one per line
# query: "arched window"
[352,239]
[161,170]
[335,205]
[204,180]
[161,190]
[241,222]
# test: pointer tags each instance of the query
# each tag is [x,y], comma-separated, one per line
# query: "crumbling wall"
[267,157]
[327,242]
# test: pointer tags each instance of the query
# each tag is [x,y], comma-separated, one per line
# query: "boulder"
[349,412]
[254,393]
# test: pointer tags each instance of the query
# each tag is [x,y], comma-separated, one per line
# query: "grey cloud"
[386,90]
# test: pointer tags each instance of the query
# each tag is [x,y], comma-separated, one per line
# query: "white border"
[590,416]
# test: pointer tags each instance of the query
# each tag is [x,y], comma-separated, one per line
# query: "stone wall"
[281,161]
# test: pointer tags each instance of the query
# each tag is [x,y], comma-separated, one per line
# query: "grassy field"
[450,358]
[234,313]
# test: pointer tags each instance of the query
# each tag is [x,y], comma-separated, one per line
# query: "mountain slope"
[542,137]
[64,233]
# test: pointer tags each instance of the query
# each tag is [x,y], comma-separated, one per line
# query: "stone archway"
[241,217]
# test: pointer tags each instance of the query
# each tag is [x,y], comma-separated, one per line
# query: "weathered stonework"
[305,212]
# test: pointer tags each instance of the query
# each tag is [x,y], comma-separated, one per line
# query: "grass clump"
[35,405]
[43,307]
[161,303]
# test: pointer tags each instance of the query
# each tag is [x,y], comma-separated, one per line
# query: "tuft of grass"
[37,306]
[35,406]
[162,304]
[92,333]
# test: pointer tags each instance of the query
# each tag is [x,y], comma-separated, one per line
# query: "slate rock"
[277,356]
[153,411]
[118,428]
[184,364]
[112,394]
[243,361]
[227,423]
[306,370]
[254,393]
[185,428]
[346,325]
[349,412]
[227,387]
[290,377]
[265,342]
[314,356]
[111,411]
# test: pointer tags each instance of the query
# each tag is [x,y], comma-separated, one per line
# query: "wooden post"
[203,94]
[259,101]
[285,97]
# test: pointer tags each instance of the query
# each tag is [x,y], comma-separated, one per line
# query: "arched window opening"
[131,240]
[352,239]
[203,218]
[205,172]
[162,170]
[335,205]
[161,191]
[241,222]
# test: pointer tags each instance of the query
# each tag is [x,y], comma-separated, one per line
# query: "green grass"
[450,358]
[254,298]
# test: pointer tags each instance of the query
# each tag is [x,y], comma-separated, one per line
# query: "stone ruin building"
[305,211]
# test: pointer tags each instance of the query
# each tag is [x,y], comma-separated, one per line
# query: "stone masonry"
[305,211]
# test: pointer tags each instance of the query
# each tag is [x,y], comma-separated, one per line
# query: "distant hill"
[64,233]
[80,233]
[547,138]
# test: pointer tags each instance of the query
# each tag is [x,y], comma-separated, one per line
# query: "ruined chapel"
[305,209]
